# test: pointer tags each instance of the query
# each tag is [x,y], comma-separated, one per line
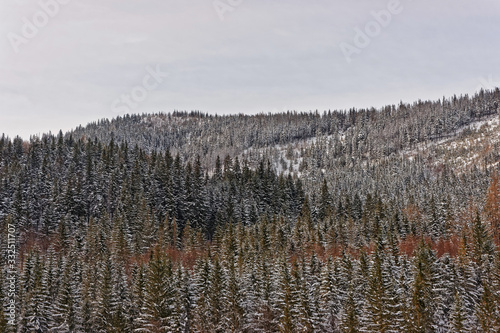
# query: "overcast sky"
[70,62]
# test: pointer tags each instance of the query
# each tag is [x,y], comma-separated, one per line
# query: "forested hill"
[415,152]
[366,220]
[365,132]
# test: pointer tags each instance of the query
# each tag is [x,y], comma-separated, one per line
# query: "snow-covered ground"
[461,151]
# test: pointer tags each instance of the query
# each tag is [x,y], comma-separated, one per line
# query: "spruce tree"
[158,306]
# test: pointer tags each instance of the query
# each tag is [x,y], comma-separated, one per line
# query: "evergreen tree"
[158,306]
[458,322]
[423,296]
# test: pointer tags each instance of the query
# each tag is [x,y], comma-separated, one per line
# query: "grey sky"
[261,56]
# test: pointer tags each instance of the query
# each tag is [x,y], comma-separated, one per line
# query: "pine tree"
[88,320]
[486,312]
[482,242]
[302,307]
[120,303]
[329,305]
[201,314]
[66,309]
[217,296]
[158,306]
[287,322]
[350,321]
[423,296]
[234,314]
[325,202]
[183,314]
[458,322]
[378,301]
[104,310]
[138,290]
[38,316]
[264,313]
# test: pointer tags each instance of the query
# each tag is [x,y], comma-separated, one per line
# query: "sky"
[65,63]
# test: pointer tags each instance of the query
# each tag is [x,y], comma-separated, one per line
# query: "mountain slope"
[351,221]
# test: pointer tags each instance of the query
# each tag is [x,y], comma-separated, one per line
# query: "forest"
[369,220]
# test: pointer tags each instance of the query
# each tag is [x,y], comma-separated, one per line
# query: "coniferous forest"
[370,220]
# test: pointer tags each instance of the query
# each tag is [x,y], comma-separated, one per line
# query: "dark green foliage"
[289,222]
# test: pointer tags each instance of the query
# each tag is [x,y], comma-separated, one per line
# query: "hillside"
[342,221]
[352,150]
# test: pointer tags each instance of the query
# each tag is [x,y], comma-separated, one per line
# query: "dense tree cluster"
[56,183]
[294,222]
[367,133]
[266,277]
